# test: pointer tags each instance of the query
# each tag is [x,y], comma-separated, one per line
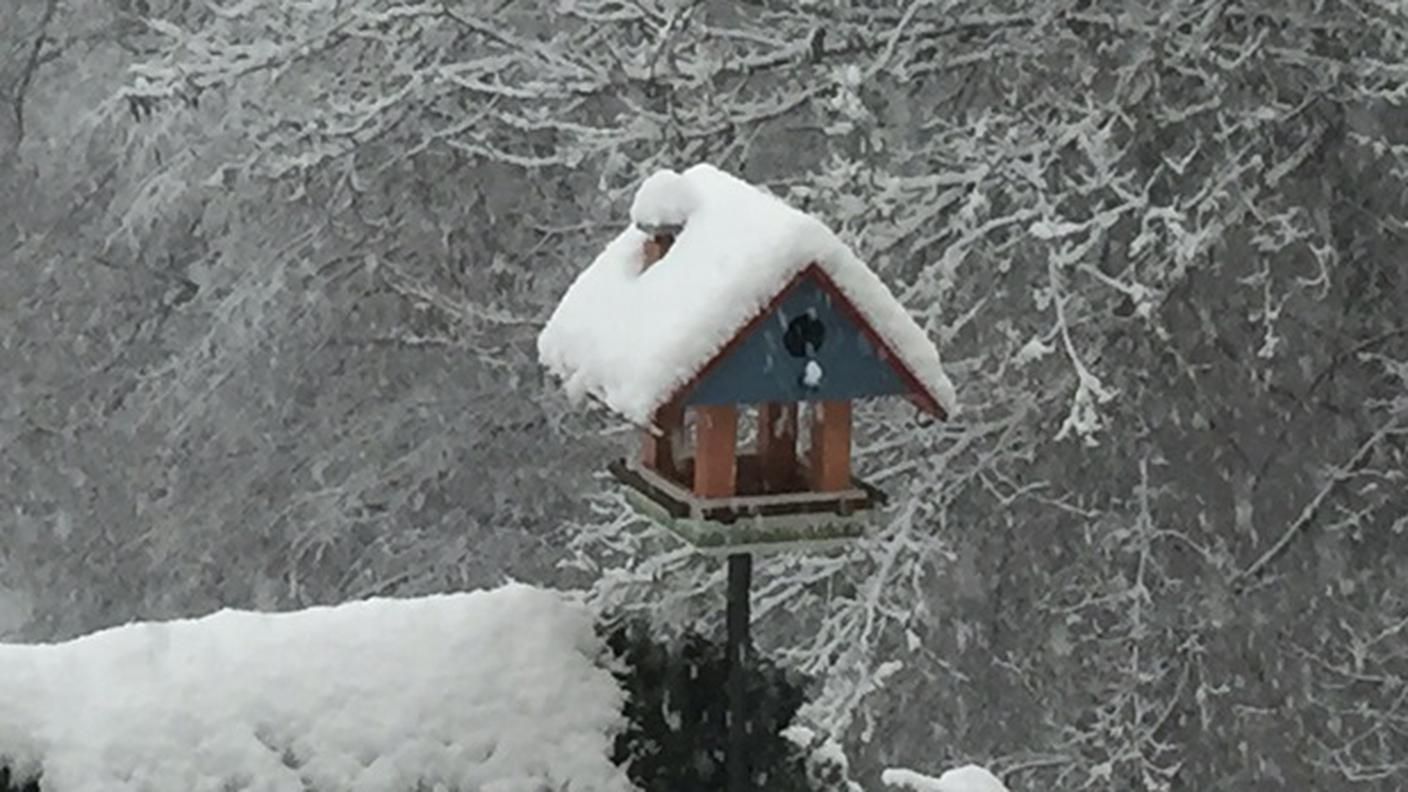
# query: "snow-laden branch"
[1334,479]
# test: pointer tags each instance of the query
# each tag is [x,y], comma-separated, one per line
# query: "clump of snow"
[968,778]
[1054,229]
[812,374]
[497,691]
[1033,350]
[798,735]
[632,339]
[664,199]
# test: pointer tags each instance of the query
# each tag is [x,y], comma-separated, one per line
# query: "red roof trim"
[917,392]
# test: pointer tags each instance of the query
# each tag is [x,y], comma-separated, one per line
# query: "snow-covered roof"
[633,338]
[496,691]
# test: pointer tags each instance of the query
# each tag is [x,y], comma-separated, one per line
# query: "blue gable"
[805,349]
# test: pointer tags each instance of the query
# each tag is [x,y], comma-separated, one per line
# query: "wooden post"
[777,445]
[657,451]
[715,450]
[715,475]
[655,248]
[739,647]
[830,455]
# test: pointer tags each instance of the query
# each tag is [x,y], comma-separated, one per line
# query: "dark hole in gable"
[804,336]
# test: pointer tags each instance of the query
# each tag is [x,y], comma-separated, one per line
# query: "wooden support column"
[715,450]
[777,445]
[658,451]
[830,457]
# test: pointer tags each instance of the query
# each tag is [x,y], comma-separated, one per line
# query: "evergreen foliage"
[677,704]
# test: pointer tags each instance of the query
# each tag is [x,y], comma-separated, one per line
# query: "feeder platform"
[748,522]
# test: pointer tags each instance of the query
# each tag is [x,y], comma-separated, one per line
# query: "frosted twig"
[1313,507]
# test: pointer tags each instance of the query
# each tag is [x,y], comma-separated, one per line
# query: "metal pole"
[740,579]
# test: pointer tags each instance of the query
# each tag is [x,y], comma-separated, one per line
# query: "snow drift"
[497,691]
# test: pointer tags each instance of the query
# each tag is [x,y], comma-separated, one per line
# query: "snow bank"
[632,338]
[496,691]
[968,778]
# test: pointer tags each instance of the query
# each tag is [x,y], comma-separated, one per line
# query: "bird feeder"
[722,307]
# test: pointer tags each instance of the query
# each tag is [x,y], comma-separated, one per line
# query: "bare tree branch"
[26,78]
[1307,514]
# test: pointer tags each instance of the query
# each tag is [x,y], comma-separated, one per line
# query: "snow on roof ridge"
[491,689]
[633,338]
[664,199]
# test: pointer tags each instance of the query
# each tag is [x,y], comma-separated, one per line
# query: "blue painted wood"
[771,363]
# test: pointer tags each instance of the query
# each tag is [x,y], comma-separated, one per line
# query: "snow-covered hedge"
[500,691]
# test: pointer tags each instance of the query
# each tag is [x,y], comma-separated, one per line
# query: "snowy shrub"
[502,689]
[677,735]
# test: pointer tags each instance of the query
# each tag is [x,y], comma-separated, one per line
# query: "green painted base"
[757,534]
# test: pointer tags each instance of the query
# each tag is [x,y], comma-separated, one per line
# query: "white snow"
[968,778]
[1033,350]
[665,198]
[632,338]
[1055,229]
[497,691]
[812,374]
[798,735]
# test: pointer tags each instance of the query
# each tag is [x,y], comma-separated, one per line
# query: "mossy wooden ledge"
[749,523]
